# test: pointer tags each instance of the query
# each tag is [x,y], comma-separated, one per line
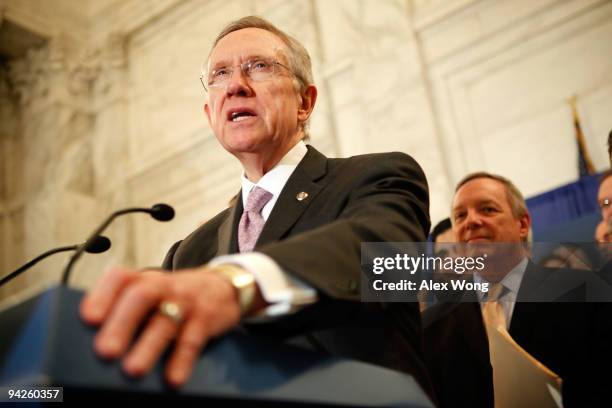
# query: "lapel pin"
[301,196]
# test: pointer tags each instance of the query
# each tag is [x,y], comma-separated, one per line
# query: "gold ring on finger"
[171,310]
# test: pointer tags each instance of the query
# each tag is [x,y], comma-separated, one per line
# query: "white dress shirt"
[285,293]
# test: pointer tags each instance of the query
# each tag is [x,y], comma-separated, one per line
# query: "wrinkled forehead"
[239,46]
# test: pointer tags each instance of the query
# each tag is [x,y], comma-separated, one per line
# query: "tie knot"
[495,292]
[258,197]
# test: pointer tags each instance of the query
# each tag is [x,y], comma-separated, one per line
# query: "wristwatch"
[243,281]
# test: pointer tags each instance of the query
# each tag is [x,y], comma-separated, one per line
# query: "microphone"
[161,212]
[98,244]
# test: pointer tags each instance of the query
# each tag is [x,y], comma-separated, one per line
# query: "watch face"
[243,281]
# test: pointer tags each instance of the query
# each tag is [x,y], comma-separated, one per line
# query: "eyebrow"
[250,57]
[479,203]
[458,208]
[488,202]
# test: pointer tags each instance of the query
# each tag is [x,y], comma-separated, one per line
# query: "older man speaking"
[288,249]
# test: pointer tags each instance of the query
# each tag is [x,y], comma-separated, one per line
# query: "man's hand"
[124,298]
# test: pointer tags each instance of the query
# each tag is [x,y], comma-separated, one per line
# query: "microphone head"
[162,212]
[98,244]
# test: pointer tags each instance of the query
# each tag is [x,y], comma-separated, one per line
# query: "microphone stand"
[161,212]
[97,245]
[31,263]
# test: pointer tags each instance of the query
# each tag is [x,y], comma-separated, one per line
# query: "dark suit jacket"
[568,336]
[368,198]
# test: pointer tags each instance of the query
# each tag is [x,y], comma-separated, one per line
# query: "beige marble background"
[101,107]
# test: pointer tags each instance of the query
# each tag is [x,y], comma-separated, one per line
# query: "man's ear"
[207,112]
[525,225]
[308,97]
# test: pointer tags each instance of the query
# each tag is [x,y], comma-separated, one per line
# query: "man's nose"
[238,84]
[473,220]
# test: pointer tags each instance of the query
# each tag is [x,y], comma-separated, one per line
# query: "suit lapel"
[469,319]
[226,235]
[532,283]
[465,318]
[524,313]
[288,207]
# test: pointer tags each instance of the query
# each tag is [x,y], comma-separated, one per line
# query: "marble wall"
[108,113]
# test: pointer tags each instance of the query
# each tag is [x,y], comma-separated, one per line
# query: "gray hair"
[298,58]
[513,194]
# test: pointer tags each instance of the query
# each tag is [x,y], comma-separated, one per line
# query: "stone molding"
[62,73]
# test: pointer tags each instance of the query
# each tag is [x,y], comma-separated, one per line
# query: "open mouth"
[239,115]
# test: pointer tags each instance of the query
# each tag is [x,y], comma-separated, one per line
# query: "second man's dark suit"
[568,336]
[368,198]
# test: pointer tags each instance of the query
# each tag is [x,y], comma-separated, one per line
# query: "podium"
[43,342]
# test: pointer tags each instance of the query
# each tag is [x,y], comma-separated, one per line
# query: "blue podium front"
[43,342]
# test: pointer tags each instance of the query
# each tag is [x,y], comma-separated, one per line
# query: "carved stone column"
[110,154]
[10,176]
[54,180]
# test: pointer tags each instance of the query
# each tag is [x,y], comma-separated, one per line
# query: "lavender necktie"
[252,222]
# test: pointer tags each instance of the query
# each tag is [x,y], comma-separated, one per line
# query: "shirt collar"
[276,178]
[512,280]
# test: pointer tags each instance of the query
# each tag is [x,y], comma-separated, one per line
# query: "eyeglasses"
[256,70]
[605,203]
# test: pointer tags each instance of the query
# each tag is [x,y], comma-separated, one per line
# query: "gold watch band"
[243,281]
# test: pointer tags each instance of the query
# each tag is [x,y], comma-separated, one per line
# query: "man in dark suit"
[288,249]
[568,336]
